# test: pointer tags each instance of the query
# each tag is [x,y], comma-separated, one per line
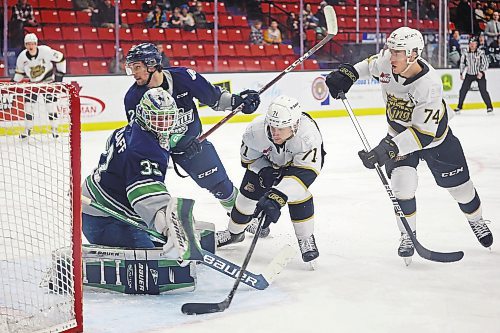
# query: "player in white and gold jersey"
[40,64]
[283,154]
[418,129]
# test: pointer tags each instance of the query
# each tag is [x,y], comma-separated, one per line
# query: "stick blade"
[331,20]
[203,308]
[439,256]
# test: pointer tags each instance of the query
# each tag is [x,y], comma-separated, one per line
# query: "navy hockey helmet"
[147,53]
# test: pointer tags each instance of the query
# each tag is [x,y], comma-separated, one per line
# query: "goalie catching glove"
[270,204]
[178,227]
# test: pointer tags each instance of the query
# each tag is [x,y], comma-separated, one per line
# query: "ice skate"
[55,135]
[406,249]
[252,228]
[225,237]
[482,232]
[489,111]
[457,110]
[25,134]
[308,249]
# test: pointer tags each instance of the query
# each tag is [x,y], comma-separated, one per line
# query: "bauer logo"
[447,81]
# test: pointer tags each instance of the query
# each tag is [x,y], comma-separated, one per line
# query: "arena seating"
[88,49]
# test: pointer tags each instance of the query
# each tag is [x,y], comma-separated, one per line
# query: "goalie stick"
[332,29]
[202,308]
[226,267]
[421,250]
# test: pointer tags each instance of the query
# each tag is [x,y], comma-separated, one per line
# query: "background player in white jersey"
[283,154]
[39,63]
[418,129]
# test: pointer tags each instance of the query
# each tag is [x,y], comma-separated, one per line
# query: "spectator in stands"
[165,61]
[175,20]
[105,16]
[320,15]
[147,6]
[187,19]
[463,17]
[478,11]
[121,64]
[482,45]
[256,35]
[492,29]
[157,18]
[454,51]
[293,25]
[199,17]
[432,12]
[22,16]
[87,6]
[310,21]
[494,53]
[273,34]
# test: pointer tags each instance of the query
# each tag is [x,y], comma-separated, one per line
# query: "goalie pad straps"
[181,235]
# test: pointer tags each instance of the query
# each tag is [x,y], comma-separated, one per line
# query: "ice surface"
[360,284]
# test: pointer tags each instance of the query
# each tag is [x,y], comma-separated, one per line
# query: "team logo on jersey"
[37,71]
[385,78]
[249,187]
[399,109]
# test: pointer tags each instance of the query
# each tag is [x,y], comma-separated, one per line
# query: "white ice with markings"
[360,284]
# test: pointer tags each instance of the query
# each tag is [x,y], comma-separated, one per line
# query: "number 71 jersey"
[303,150]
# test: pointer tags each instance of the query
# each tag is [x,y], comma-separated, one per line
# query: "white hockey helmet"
[30,38]
[284,112]
[406,39]
[157,112]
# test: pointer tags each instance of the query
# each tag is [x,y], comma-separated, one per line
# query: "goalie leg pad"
[135,271]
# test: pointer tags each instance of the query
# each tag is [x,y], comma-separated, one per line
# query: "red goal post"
[40,210]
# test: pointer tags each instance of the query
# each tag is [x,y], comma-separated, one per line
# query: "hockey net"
[40,210]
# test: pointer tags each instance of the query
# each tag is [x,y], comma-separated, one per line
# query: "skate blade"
[313,265]
[407,261]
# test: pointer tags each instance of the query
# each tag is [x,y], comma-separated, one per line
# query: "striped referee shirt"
[474,62]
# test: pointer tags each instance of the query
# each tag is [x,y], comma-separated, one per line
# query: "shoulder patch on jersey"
[191,73]
[385,77]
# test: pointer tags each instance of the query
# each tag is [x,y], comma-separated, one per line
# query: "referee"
[476,63]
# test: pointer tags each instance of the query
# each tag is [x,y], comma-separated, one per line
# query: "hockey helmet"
[406,39]
[147,53]
[157,112]
[30,38]
[284,112]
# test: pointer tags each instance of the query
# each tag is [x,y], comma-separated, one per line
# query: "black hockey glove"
[250,100]
[187,144]
[268,175]
[341,79]
[58,76]
[270,204]
[385,151]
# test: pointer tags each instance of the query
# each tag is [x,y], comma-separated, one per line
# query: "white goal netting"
[38,212]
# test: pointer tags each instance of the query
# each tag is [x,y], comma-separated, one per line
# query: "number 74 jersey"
[304,150]
[415,110]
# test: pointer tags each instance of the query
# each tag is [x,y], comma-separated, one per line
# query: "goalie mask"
[157,112]
[283,112]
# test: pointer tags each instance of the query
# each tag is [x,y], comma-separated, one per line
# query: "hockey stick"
[257,281]
[202,308]
[422,251]
[331,23]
